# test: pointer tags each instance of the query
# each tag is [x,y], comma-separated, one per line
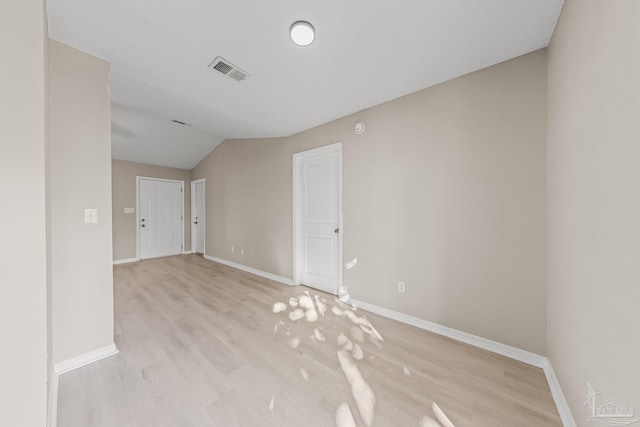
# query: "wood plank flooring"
[200,345]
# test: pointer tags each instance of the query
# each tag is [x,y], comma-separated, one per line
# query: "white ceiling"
[366,52]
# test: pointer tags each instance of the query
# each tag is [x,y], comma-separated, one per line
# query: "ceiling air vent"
[228,69]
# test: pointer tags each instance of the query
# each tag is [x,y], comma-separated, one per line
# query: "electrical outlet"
[401,287]
[90,216]
[233,248]
[241,251]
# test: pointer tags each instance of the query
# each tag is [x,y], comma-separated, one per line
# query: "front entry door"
[318,219]
[160,217]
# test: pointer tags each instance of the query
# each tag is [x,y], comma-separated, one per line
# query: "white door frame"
[138,178]
[204,211]
[297,214]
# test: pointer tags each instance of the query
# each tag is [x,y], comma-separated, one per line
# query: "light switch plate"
[90,216]
[129,210]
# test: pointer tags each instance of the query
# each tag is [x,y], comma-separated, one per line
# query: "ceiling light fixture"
[302,33]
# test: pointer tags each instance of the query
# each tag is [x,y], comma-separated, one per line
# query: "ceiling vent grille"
[228,69]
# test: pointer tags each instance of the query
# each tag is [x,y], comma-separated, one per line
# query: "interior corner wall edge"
[23,275]
[124,196]
[445,191]
[51,377]
[594,202]
[80,165]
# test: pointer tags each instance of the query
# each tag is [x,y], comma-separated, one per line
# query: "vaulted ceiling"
[366,52]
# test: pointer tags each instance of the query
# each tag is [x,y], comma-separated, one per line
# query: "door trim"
[204,212]
[297,221]
[138,178]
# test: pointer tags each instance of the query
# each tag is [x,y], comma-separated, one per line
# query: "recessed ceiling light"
[302,33]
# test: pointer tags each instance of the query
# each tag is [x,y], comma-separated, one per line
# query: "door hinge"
[181,246]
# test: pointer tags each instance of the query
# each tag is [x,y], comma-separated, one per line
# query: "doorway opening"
[198,216]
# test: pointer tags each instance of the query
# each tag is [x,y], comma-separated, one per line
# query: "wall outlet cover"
[90,216]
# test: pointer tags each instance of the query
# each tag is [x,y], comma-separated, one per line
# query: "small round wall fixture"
[302,33]
[359,128]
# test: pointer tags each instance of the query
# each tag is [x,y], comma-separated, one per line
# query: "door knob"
[337,230]
[142,220]
[142,225]
[195,222]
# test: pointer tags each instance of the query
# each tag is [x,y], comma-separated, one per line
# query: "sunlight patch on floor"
[348,354]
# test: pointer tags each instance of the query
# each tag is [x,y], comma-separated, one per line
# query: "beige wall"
[248,202]
[124,196]
[594,201]
[23,287]
[80,138]
[445,191]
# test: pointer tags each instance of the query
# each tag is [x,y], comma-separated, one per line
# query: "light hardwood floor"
[199,347]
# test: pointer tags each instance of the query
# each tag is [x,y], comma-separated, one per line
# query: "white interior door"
[318,218]
[198,220]
[159,218]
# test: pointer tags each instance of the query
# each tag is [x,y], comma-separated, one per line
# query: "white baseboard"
[188,252]
[85,359]
[70,365]
[485,344]
[252,270]
[558,396]
[125,261]
[52,406]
